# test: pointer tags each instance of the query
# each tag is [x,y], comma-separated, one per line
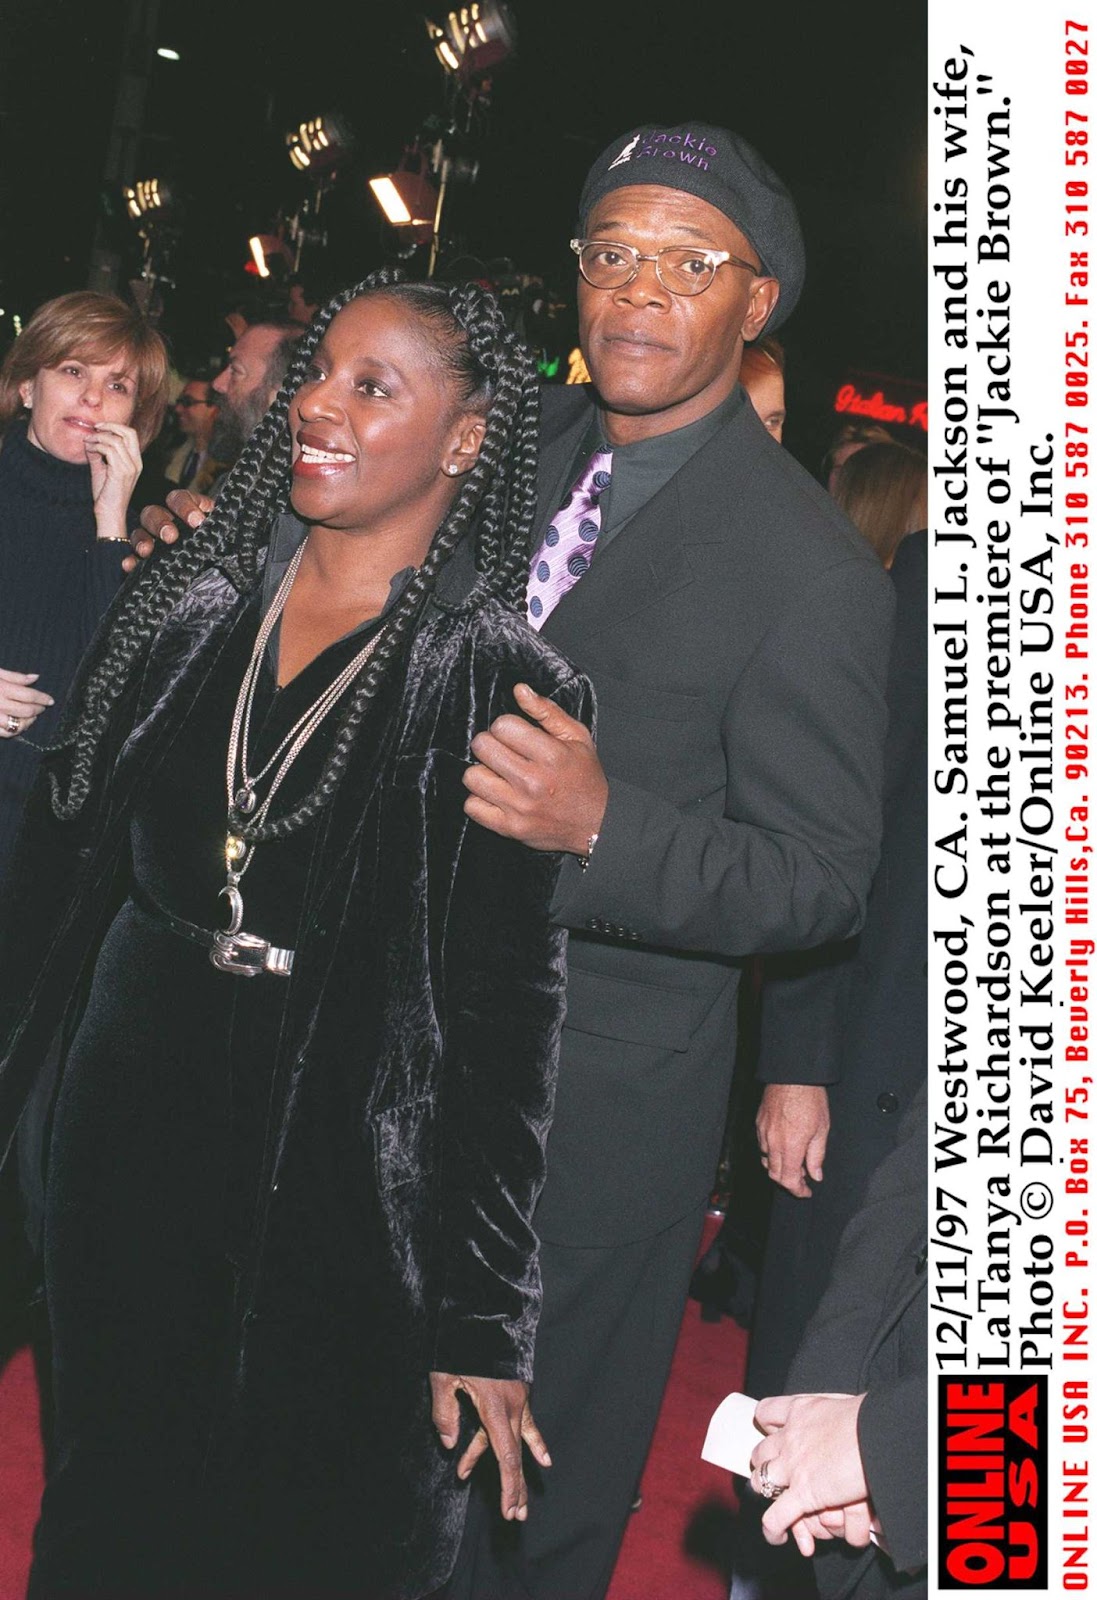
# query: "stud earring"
[451,468]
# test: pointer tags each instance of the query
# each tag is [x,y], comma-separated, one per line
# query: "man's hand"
[19,702]
[158,524]
[811,1449]
[542,784]
[792,1125]
[502,1405]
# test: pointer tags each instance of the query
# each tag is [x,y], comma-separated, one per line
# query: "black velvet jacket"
[426,1003]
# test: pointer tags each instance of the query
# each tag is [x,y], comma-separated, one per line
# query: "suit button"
[920,1264]
[633,934]
[887,1102]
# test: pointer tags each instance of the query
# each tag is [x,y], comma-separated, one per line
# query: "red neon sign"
[852,401]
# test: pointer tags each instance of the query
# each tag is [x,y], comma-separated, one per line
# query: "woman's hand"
[812,1462]
[19,703]
[502,1405]
[115,460]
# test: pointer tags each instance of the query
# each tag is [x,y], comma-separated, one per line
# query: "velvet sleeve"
[504,985]
[790,862]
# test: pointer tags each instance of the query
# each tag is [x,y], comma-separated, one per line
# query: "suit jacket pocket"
[646,700]
[640,1013]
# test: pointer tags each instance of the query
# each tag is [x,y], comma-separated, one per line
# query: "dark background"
[832,95]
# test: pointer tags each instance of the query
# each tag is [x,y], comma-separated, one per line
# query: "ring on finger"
[14,723]
[766,1486]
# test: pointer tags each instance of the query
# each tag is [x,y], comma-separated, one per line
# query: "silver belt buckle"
[246,955]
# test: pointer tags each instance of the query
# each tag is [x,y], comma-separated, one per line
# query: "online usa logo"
[992,1485]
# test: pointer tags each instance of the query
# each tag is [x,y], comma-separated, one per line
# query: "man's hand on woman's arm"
[159,524]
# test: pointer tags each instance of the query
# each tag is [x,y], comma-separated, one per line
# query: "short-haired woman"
[82,391]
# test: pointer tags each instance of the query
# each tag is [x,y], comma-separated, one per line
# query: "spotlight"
[267,250]
[166,54]
[407,197]
[149,200]
[475,38]
[316,145]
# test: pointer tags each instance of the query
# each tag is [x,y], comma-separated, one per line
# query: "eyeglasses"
[681,269]
[188,400]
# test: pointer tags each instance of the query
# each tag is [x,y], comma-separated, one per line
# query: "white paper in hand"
[732,1435]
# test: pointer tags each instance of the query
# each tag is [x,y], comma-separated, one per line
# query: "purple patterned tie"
[566,550]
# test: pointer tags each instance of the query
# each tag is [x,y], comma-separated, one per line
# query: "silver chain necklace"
[241,784]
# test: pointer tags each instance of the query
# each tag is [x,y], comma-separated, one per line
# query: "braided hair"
[492,370]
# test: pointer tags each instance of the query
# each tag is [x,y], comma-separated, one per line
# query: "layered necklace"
[243,784]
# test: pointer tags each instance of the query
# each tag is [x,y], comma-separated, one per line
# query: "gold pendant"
[235,849]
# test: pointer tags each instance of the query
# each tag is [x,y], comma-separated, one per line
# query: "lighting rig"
[153,208]
[470,44]
[315,148]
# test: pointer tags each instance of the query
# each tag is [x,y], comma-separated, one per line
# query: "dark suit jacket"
[869,1336]
[412,1090]
[736,632]
[854,1016]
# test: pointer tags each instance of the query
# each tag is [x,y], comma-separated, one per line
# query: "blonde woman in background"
[82,392]
[882,490]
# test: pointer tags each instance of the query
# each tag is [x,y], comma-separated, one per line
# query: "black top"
[56,580]
[179,829]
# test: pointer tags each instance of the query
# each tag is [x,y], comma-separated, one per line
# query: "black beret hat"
[720,167]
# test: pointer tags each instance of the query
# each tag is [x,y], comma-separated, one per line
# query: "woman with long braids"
[306,1013]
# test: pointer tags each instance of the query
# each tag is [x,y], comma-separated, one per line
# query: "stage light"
[407,197]
[267,250]
[149,200]
[316,145]
[168,55]
[475,38]
[258,255]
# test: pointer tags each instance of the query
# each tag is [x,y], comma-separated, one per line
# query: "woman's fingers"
[445,1412]
[533,1439]
[506,1422]
[21,699]
[503,1428]
[20,704]
[472,1455]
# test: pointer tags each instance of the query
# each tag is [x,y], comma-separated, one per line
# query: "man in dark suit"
[845,1452]
[736,631]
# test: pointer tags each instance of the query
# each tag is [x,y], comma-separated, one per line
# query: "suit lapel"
[557,452]
[645,562]
[649,558]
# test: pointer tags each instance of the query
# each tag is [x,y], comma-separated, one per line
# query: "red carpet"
[20,1472]
[677,1544]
